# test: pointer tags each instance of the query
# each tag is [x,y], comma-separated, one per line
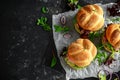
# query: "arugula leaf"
[44,10]
[53,62]
[60,28]
[43,22]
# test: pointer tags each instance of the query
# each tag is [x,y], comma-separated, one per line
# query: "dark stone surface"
[26,49]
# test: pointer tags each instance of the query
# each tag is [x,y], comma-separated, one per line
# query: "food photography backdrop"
[27,50]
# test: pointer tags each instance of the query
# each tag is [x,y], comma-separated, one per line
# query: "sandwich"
[89,18]
[80,53]
[111,38]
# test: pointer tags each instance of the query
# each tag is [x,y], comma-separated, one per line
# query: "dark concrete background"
[26,49]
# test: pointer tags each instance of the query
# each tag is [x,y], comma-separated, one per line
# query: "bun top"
[81,52]
[90,17]
[113,35]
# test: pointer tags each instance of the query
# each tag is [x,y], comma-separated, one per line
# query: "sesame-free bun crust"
[113,35]
[90,17]
[81,52]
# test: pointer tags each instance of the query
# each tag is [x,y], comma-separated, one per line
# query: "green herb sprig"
[73,1]
[79,7]
[61,29]
[44,10]
[54,60]
[43,22]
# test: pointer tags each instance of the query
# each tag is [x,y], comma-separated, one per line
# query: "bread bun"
[113,35]
[90,17]
[81,52]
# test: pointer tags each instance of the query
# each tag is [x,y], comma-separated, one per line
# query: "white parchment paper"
[61,42]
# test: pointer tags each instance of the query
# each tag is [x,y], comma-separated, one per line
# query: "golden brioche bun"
[90,17]
[113,35]
[81,52]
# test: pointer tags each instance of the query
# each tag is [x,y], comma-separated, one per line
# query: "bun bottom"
[73,65]
[77,28]
[107,45]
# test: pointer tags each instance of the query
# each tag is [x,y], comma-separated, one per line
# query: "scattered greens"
[93,35]
[116,19]
[53,62]
[78,6]
[100,46]
[108,45]
[73,1]
[44,10]
[43,22]
[101,57]
[102,76]
[60,28]
[74,4]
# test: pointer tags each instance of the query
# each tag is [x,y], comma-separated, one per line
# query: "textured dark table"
[26,49]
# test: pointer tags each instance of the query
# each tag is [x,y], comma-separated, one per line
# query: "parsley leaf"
[43,22]
[60,28]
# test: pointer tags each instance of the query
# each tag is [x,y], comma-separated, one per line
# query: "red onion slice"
[67,36]
[107,73]
[63,20]
[116,75]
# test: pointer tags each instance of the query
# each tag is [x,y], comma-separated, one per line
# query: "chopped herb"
[53,62]
[44,10]
[43,22]
[60,28]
